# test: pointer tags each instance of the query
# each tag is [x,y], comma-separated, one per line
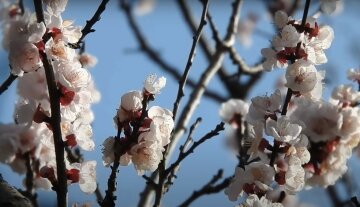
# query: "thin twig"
[170,171]
[90,23]
[197,35]
[233,87]
[29,180]
[156,58]
[98,194]
[61,187]
[21,7]
[183,154]
[74,157]
[189,139]
[205,78]
[183,148]
[196,95]
[243,67]
[208,188]
[331,190]
[7,83]
[238,90]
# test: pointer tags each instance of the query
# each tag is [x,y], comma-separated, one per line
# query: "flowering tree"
[285,142]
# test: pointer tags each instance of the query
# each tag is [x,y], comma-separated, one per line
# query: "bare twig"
[331,190]
[182,81]
[7,83]
[243,67]
[183,148]
[29,180]
[74,156]
[61,187]
[185,153]
[21,6]
[155,57]
[205,78]
[90,23]
[98,194]
[198,92]
[170,171]
[189,139]
[231,86]
[208,188]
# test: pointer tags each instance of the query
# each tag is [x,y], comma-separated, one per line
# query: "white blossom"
[162,118]
[258,173]
[57,6]
[24,58]
[130,106]
[132,101]
[289,37]
[271,59]
[322,120]
[300,149]
[254,201]
[108,151]
[73,76]
[353,74]
[281,19]
[301,76]
[295,176]
[283,130]
[245,29]
[153,84]
[146,157]
[87,60]
[328,6]
[233,107]
[256,135]
[87,181]
[262,106]
[345,94]
[9,141]
[144,7]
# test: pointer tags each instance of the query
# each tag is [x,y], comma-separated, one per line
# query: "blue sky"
[121,68]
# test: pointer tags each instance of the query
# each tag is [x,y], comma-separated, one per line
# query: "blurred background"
[122,67]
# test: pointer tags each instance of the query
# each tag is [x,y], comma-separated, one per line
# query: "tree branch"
[233,87]
[205,78]
[208,188]
[61,187]
[29,180]
[170,171]
[7,83]
[196,95]
[183,154]
[182,81]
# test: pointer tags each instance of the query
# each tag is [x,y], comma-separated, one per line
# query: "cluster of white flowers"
[32,133]
[146,150]
[309,143]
